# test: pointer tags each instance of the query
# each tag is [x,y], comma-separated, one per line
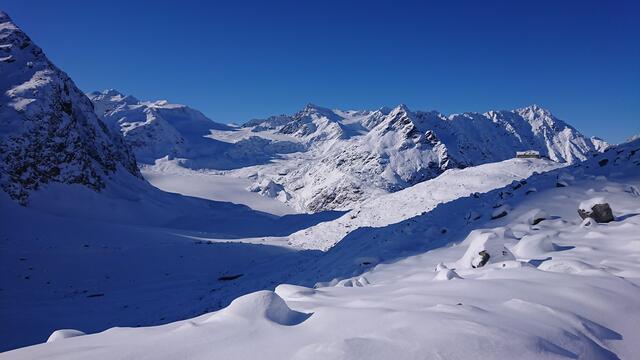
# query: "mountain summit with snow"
[49,132]
[155,129]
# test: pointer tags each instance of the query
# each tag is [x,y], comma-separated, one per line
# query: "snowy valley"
[137,229]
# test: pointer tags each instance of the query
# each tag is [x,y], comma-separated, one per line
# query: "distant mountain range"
[320,159]
[316,159]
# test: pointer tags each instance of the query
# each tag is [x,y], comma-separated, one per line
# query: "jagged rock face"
[48,129]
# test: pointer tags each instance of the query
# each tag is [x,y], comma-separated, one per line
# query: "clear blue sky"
[237,60]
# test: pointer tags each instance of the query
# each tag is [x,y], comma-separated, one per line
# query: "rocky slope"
[49,132]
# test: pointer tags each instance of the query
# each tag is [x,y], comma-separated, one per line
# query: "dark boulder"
[601,213]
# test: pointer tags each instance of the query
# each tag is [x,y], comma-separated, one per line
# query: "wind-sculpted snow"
[412,290]
[49,132]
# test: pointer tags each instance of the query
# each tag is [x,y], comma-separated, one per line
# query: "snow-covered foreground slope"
[420,198]
[131,256]
[567,288]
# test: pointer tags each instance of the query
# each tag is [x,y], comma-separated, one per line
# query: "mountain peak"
[534,109]
[111,92]
[112,95]
[400,109]
[4,17]
[310,107]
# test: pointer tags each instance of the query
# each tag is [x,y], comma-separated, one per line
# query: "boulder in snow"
[501,211]
[484,248]
[597,209]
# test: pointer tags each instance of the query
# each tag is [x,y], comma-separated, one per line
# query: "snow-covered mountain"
[355,155]
[156,129]
[319,159]
[159,129]
[49,132]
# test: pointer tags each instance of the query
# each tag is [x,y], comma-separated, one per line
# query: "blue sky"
[237,60]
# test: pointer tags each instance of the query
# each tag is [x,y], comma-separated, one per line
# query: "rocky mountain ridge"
[49,132]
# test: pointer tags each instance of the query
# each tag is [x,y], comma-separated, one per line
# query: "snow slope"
[418,199]
[571,291]
[168,175]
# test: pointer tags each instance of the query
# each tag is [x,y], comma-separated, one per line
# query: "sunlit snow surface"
[168,175]
[572,291]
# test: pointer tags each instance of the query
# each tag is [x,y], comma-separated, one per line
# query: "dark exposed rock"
[229,277]
[601,213]
[484,259]
[499,215]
